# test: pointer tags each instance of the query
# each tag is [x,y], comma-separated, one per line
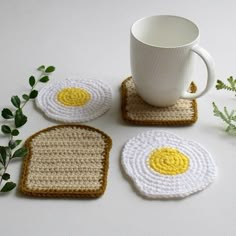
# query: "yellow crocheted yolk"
[73,96]
[168,161]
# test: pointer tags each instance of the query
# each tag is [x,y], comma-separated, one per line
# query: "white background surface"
[90,39]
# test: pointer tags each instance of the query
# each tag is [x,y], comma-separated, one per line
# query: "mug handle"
[206,57]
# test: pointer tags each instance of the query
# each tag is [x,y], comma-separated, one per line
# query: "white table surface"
[90,39]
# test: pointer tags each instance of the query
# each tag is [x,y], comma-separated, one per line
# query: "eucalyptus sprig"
[17,119]
[228,117]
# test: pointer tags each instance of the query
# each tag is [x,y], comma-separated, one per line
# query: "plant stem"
[10,154]
[10,136]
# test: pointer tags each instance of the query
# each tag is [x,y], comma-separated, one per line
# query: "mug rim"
[196,39]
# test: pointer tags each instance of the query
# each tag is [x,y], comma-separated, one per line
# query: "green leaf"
[219,84]
[232,82]
[3,155]
[7,113]
[15,132]
[25,97]
[16,101]
[8,187]
[6,176]
[32,81]
[44,79]
[226,112]
[230,79]
[41,68]
[13,143]
[21,152]
[33,94]
[20,118]
[215,109]
[6,129]
[50,69]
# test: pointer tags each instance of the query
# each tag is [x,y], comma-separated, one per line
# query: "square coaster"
[136,111]
[66,161]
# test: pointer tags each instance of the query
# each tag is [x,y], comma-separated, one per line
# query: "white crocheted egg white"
[97,105]
[153,184]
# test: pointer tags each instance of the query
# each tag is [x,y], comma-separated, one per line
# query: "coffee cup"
[163,49]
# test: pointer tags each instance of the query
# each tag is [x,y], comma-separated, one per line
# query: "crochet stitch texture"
[73,100]
[66,161]
[163,165]
[136,111]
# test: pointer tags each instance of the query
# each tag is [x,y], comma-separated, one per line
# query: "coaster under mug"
[136,111]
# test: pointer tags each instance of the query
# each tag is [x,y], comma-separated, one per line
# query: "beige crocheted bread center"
[67,159]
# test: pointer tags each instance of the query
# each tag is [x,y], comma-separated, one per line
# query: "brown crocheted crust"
[160,122]
[72,192]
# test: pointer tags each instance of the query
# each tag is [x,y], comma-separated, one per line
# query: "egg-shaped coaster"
[66,161]
[163,165]
[74,100]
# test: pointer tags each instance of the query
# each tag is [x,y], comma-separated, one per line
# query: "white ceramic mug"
[162,52]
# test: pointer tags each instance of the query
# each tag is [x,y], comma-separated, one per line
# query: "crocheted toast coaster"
[66,161]
[136,111]
[74,100]
[163,165]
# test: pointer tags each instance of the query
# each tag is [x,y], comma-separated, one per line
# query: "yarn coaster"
[136,111]
[74,100]
[163,165]
[66,161]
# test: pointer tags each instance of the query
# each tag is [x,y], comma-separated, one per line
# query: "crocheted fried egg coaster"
[136,111]
[66,161]
[74,100]
[163,165]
